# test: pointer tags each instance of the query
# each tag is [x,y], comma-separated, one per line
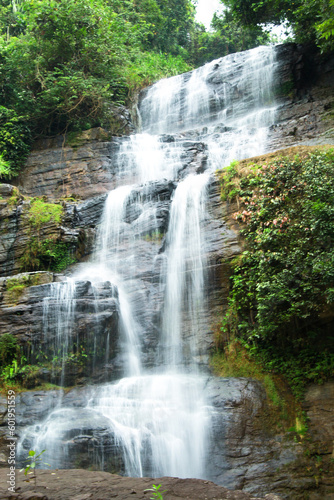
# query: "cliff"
[75,174]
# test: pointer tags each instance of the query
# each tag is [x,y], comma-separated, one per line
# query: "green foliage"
[48,254]
[44,251]
[62,63]
[33,460]
[56,255]
[311,20]
[5,170]
[8,348]
[285,280]
[8,372]
[228,35]
[41,213]
[10,357]
[325,28]
[156,493]
[15,141]
[147,67]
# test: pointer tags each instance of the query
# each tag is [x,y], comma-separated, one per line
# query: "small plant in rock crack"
[156,495]
[32,461]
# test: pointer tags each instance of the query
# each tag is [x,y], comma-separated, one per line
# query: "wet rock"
[120,121]
[79,172]
[319,405]
[96,317]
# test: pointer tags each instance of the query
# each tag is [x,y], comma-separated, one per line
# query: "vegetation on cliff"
[282,286]
[44,249]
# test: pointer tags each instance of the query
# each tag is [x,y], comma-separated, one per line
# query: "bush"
[8,348]
[15,142]
[285,280]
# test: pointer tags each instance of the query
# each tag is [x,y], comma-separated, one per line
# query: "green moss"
[15,292]
[78,139]
[16,286]
[74,140]
[235,361]
[154,237]
[41,213]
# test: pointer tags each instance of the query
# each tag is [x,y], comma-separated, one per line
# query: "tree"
[63,62]
[311,20]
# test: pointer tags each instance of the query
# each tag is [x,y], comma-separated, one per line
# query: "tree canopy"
[63,62]
[311,20]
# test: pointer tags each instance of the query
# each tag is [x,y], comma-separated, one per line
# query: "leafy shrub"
[15,142]
[48,254]
[285,279]
[45,252]
[8,348]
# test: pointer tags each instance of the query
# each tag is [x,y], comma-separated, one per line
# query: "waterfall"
[185,267]
[154,418]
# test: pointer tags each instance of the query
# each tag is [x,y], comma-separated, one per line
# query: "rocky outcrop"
[305,92]
[88,166]
[89,485]
[19,230]
[57,170]
[35,310]
[319,405]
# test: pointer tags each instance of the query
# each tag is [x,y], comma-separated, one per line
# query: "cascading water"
[151,247]
[185,268]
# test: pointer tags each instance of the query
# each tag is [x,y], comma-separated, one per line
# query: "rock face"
[305,89]
[76,228]
[319,405]
[36,314]
[89,168]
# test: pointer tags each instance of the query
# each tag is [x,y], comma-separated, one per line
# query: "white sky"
[205,10]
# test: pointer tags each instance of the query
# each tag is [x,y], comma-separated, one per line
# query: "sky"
[206,9]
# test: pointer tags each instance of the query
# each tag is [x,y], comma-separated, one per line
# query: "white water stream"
[156,416]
